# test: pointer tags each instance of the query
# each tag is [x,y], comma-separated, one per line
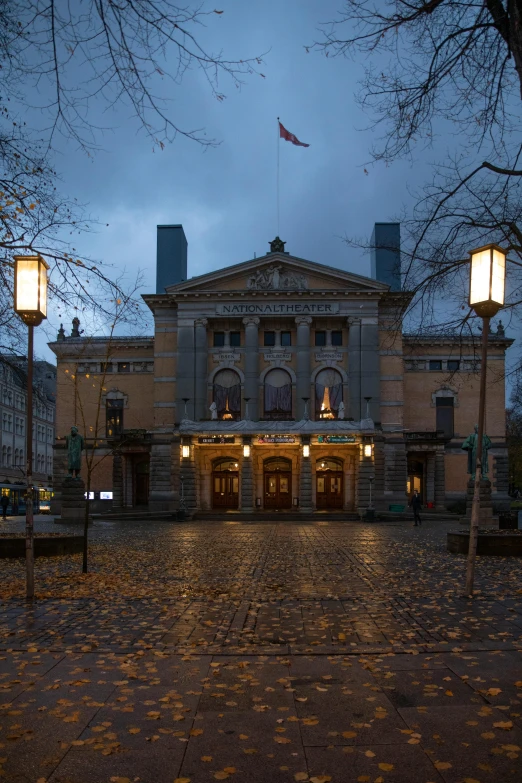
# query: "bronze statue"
[74,452]
[470,445]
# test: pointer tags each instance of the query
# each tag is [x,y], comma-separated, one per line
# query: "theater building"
[278,384]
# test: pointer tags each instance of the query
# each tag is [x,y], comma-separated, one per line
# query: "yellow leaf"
[181,780]
[363,779]
[134,730]
[442,765]
[195,732]
[282,740]
[349,734]
[321,779]
[506,725]
[385,767]
[449,693]
[243,736]
[206,758]
[310,721]
[512,748]
[230,770]
[221,775]
[471,780]
[493,691]
[301,776]
[118,779]
[370,754]
[488,735]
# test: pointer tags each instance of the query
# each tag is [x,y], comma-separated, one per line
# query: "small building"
[276,384]
[13,434]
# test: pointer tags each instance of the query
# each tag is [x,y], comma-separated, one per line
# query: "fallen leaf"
[370,754]
[385,767]
[442,765]
[206,758]
[301,776]
[282,740]
[181,780]
[506,725]
[195,732]
[321,779]
[349,734]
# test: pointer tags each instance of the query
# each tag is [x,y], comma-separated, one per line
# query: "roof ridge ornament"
[277,246]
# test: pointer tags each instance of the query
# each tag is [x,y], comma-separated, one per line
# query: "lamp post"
[30,303]
[486,297]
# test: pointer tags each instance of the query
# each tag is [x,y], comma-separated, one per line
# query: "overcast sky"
[225,197]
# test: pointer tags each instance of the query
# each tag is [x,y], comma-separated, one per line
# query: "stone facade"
[234,404]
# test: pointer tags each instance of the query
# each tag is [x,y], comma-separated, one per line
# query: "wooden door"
[278,490]
[329,486]
[225,490]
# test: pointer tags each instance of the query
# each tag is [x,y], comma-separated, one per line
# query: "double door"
[225,490]
[278,489]
[329,489]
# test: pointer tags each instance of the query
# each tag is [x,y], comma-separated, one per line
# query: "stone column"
[440,481]
[200,390]
[430,478]
[161,492]
[303,364]
[395,472]
[247,479]
[117,481]
[305,479]
[354,368]
[185,370]
[366,469]
[370,369]
[251,386]
[187,478]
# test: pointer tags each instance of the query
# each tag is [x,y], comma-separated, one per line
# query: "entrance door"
[329,484]
[415,478]
[225,485]
[278,483]
[141,481]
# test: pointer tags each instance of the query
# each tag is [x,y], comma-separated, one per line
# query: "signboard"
[217,439]
[278,356]
[276,439]
[329,356]
[336,439]
[223,356]
[278,308]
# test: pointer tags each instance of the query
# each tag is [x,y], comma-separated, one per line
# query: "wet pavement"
[261,652]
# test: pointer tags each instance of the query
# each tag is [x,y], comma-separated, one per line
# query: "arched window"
[4,456]
[227,394]
[278,394]
[225,464]
[9,456]
[329,463]
[328,393]
[16,458]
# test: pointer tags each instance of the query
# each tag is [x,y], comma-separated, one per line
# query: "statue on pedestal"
[213,411]
[340,411]
[74,443]
[470,445]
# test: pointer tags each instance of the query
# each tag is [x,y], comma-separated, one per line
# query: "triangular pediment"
[278,272]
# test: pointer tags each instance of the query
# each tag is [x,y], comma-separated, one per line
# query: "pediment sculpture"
[277,278]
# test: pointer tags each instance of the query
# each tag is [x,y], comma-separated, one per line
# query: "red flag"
[287,136]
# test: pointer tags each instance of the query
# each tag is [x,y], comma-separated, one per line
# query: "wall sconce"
[368,449]
[246,450]
[185,452]
[306,450]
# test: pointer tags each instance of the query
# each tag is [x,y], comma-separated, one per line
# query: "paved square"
[330,652]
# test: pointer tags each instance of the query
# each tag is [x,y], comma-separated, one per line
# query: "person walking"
[4,502]
[416,505]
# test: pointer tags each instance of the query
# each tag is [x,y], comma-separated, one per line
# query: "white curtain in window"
[278,391]
[331,380]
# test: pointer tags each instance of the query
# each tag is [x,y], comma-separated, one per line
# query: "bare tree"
[437,68]
[63,64]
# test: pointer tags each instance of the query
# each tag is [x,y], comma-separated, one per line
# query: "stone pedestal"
[486,518]
[73,502]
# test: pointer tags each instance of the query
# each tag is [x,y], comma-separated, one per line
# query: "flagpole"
[277,181]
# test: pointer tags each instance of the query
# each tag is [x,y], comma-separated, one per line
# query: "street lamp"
[30,303]
[486,297]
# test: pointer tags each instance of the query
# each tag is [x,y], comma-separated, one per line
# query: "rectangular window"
[123,367]
[453,365]
[337,338]
[435,364]
[286,339]
[113,418]
[219,339]
[320,339]
[444,407]
[270,338]
[106,367]
[235,339]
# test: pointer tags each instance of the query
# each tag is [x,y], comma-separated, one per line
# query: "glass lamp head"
[487,280]
[30,290]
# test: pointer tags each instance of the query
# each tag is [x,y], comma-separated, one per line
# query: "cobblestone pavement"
[260,652]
